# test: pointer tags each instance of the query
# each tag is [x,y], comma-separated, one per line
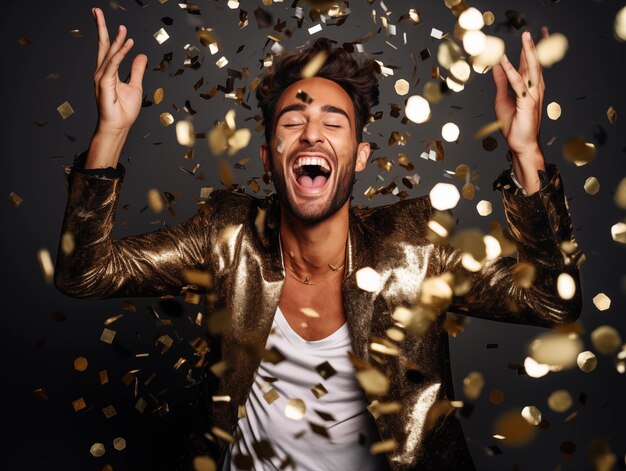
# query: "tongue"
[309,182]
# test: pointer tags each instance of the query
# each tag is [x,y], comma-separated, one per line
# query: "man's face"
[313,153]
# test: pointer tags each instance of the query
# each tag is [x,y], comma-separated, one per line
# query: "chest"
[313,311]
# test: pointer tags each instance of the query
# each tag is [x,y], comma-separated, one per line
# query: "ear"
[362,155]
[265,157]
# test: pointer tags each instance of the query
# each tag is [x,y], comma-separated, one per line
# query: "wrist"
[105,148]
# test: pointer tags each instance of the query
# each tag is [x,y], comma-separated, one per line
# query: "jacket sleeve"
[539,225]
[144,265]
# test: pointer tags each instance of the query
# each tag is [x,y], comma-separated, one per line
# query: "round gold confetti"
[417,109]
[484,208]
[513,429]
[468,191]
[448,53]
[490,143]
[450,132]
[107,467]
[554,111]
[492,247]
[579,151]
[618,232]
[605,339]
[534,369]
[395,334]
[80,364]
[620,360]
[166,119]
[155,201]
[602,301]
[461,71]
[204,463]
[373,382]
[444,196]
[471,19]
[566,286]
[97,450]
[67,243]
[432,92]
[620,24]
[523,274]
[532,415]
[474,42]
[461,171]
[401,87]
[586,361]
[185,134]
[119,443]
[451,3]
[496,397]
[560,400]
[620,194]
[490,55]
[473,385]
[369,280]
[159,93]
[592,185]
[295,409]
[454,85]
[551,49]
[556,349]
[488,18]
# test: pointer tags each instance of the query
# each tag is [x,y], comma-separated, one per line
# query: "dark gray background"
[38,351]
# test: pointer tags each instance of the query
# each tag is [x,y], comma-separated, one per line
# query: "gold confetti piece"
[554,111]
[523,274]
[532,415]
[602,301]
[185,134]
[65,110]
[67,243]
[319,390]
[24,41]
[239,140]
[586,361]
[309,312]
[560,400]
[378,409]
[620,360]
[222,62]
[473,385]
[606,339]
[97,450]
[579,151]
[204,463]
[271,395]
[113,319]
[454,85]
[314,65]
[40,394]
[497,436]
[373,381]
[471,19]
[76,33]
[566,286]
[166,119]
[226,174]
[141,405]
[155,201]
[620,24]
[620,194]
[119,443]
[444,196]
[161,36]
[180,362]
[221,398]
[592,185]
[384,446]
[295,409]
[474,42]
[395,334]
[484,208]
[488,129]
[80,364]
[468,191]
[512,428]
[450,132]
[325,370]
[618,232]
[79,404]
[369,280]
[159,93]
[385,347]
[488,18]
[46,265]
[556,349]
[15,199]
[109,411]
[611,114]
[223,434]
[551,49]
[496,397]
[107,335]
[461,71]
[104,377]
[198,278]
[417,109]
[402,87]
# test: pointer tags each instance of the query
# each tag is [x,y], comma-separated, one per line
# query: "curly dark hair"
[357,79]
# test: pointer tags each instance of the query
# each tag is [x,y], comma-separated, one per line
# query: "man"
[305,351]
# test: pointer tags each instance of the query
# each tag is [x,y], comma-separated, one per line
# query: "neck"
[312,248]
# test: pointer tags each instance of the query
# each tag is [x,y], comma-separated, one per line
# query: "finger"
[113,65]
[501,82]
[544,32]
[530,57]
[115,46]
[137,71]
[514,78]
[103,36]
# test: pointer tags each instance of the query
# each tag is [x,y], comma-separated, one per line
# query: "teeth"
[311,161]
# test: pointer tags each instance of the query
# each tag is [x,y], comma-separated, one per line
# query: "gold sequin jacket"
[246,265]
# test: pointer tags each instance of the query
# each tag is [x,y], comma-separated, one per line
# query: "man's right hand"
[119,103]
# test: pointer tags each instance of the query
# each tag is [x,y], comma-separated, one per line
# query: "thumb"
[137,70]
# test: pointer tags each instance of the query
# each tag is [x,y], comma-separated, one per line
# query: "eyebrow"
[302,107]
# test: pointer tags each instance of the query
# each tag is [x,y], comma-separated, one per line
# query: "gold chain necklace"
[307,279]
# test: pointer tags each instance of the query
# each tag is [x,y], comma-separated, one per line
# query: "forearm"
[526,170]
[105,149]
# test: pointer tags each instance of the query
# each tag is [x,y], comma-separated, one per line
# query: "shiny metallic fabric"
[248,273]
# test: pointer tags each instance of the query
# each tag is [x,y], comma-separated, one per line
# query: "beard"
[315,212]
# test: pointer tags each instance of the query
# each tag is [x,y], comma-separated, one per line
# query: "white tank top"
[336,430]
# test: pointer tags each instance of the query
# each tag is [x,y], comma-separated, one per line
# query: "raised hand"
[520,115]
[119,103]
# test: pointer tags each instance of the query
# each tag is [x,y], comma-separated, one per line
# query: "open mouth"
[311,172]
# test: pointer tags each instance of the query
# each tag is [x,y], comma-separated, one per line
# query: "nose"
[312,133]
